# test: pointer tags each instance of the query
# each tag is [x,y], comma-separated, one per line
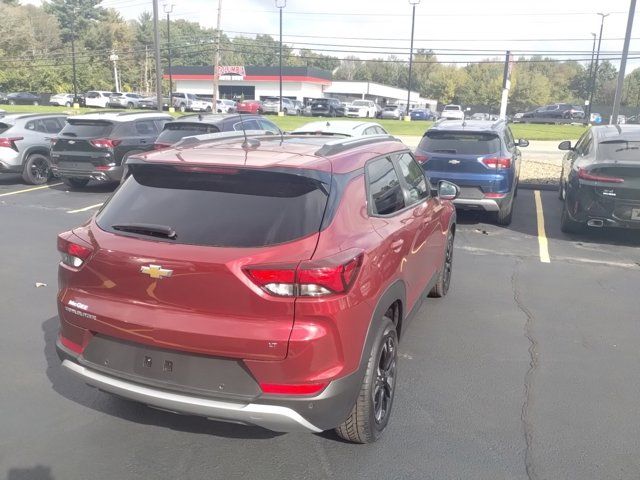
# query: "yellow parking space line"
[90,207]
[542,234]
[29,189]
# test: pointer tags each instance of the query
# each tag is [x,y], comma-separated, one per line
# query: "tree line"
[35,55]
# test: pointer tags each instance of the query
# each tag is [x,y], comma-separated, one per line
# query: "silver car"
[392,111]
[272,105]
[125,100]
[25,140]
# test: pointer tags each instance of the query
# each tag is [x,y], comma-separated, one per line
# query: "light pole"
[114,58]
[73,58]
[156,39]
[281,4]
[594,79]
[216,61]
[623,65]
[593,54]
[413,3]
[168,8]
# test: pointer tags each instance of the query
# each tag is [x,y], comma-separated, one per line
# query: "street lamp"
[114,58]
[594,79]
[73,57]
[168,8]
[413,3]
[281,4]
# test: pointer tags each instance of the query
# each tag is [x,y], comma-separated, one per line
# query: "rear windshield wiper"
[147,229]
[445,151]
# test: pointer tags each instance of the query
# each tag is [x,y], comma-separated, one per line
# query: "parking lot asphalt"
[525,370]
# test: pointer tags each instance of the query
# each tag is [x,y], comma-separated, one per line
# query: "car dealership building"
[298,83]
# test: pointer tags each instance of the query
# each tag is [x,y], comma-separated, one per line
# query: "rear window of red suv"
[222,207]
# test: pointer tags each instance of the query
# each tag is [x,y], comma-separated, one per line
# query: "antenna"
[245,144]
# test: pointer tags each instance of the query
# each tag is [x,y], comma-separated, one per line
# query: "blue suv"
[479,156]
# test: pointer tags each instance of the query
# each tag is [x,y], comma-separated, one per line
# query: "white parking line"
[543,243]
[91,207]
[29,189]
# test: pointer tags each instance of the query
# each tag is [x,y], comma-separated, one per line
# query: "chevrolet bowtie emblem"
[454,162]
[156,271]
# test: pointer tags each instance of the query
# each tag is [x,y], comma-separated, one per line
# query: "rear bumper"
[279,413]
[113,174]
[486,204]
[272,417]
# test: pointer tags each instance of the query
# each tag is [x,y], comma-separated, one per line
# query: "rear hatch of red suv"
[168,257]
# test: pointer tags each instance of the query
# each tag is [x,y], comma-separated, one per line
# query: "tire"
[74,182]
[367,114]
[567,224]
[36,103]
[37,169]
[130,106]
[441,287]
[363,425]
[12,102]
[67,104]
[182,108]
[505,214]
[285,111]
[561,187]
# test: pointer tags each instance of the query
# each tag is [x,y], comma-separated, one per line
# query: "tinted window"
[508,137]
[384,187]
[93,94]
[250,124]
[177,131]
[241,208]
[4,127]
[620,150]
[146,127]
[268,126]
[52,125]
[87,128]
[370,131]
[463,143]
[414,177]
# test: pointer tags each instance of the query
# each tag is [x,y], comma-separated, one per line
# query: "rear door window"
[146,127]
[249,124]
[87,128]
[385,193]
[227,207]
[462,143]
[268,126]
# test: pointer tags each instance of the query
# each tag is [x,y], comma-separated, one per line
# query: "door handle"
[397,245]
[143,141]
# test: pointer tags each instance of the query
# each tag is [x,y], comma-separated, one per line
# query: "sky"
[370,28]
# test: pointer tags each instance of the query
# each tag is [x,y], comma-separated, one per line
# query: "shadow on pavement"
[92,187]
[69,387]
[36,473]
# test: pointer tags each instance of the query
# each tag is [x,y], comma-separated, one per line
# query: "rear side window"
[462,143]
[146,127]
[249,124]
[4,127]
[384,187]
[268,126]
[225,207]
[177,131]
[87,128]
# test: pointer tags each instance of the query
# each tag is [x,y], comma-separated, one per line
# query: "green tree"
[75,15]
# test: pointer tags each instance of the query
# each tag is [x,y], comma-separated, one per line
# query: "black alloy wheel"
[384,388]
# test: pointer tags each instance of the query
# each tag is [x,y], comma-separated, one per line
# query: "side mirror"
[566,145]
[448,190]
[523,143]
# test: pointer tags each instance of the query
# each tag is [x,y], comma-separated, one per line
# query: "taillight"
[499,163]
[290,389]
[105,142]
[161,146]
[73,254]
[422,158]
[494,195]
[53,141]
[73,346]
[586,175]
[10,142]
[310,278]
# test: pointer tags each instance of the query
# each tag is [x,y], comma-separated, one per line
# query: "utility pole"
[413,25]
[156,39]
[146,69]
[216,62]
[623,65]
[73,59]
[168,8]
[594,80]
[593,54]
[281,4]
[506,85]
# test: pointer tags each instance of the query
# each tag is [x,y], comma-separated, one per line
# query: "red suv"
[262,281]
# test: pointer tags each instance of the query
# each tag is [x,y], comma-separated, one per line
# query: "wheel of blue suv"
[441,287]
[370,414]
[504,215]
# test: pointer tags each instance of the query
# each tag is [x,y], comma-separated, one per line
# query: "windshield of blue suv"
[462,143]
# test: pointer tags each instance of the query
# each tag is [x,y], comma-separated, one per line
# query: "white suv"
[453,112]
[191,103]
[97,98]
[362,109]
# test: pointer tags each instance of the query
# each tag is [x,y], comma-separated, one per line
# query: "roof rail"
[343,144]
[498,122]
[138,112]
[31,115]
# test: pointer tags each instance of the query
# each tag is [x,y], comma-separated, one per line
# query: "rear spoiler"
[219,136]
